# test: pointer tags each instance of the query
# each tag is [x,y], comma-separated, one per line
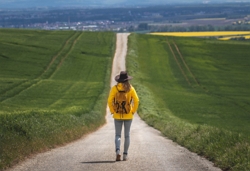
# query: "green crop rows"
[54,86]
[196,92]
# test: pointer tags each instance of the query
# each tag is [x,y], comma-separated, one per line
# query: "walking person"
[123,103]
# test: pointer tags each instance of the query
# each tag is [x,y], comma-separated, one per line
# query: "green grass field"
[54,86]
[196,92]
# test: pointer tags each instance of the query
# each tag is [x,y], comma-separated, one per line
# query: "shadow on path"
[97,162]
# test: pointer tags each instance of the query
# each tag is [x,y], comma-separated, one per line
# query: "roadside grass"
[209,116]
[54,93]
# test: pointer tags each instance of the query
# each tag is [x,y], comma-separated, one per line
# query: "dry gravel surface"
[149,150]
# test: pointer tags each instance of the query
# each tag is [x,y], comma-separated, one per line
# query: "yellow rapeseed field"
[231,37]
[203,34]
[247,37]
[225,38]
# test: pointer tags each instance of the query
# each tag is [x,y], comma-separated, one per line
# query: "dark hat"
[123,77]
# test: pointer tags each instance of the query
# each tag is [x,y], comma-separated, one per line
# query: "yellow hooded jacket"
[131,95]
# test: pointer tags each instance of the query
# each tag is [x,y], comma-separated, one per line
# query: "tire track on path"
[148,150]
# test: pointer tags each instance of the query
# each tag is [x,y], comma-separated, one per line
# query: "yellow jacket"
[131,95]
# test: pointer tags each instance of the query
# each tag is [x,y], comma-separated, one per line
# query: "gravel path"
[149,150]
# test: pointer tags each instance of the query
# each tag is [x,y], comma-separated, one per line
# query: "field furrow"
[51,68]
[184,62]
[76,37]
[58,54]
[214,122]
[51,92]
[178,63]
[17,90]
[60,57]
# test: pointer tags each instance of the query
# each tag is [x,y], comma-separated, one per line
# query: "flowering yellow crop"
[202,34]
[225,38]
[231,37]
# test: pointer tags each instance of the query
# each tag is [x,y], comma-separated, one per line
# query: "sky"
[93,3]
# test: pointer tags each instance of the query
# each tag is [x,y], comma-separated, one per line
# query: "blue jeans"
[118,130]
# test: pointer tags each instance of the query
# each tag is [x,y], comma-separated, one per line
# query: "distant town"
[200,17]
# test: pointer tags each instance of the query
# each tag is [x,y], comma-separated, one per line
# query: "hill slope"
[53,88]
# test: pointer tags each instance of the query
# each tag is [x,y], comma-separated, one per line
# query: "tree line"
[193,28]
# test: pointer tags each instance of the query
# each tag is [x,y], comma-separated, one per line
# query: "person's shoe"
[118,157]
[125,157]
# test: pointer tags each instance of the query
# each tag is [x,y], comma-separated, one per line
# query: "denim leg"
[118,130]
[127,125]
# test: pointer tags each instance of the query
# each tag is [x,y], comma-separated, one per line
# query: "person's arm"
[135,99]
[111,99]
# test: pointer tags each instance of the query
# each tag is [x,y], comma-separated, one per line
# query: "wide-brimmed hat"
[123,77]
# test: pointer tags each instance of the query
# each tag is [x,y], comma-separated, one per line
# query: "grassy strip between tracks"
[210,116]
[67,76]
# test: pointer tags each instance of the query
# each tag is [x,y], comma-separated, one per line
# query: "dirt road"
[149,150]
